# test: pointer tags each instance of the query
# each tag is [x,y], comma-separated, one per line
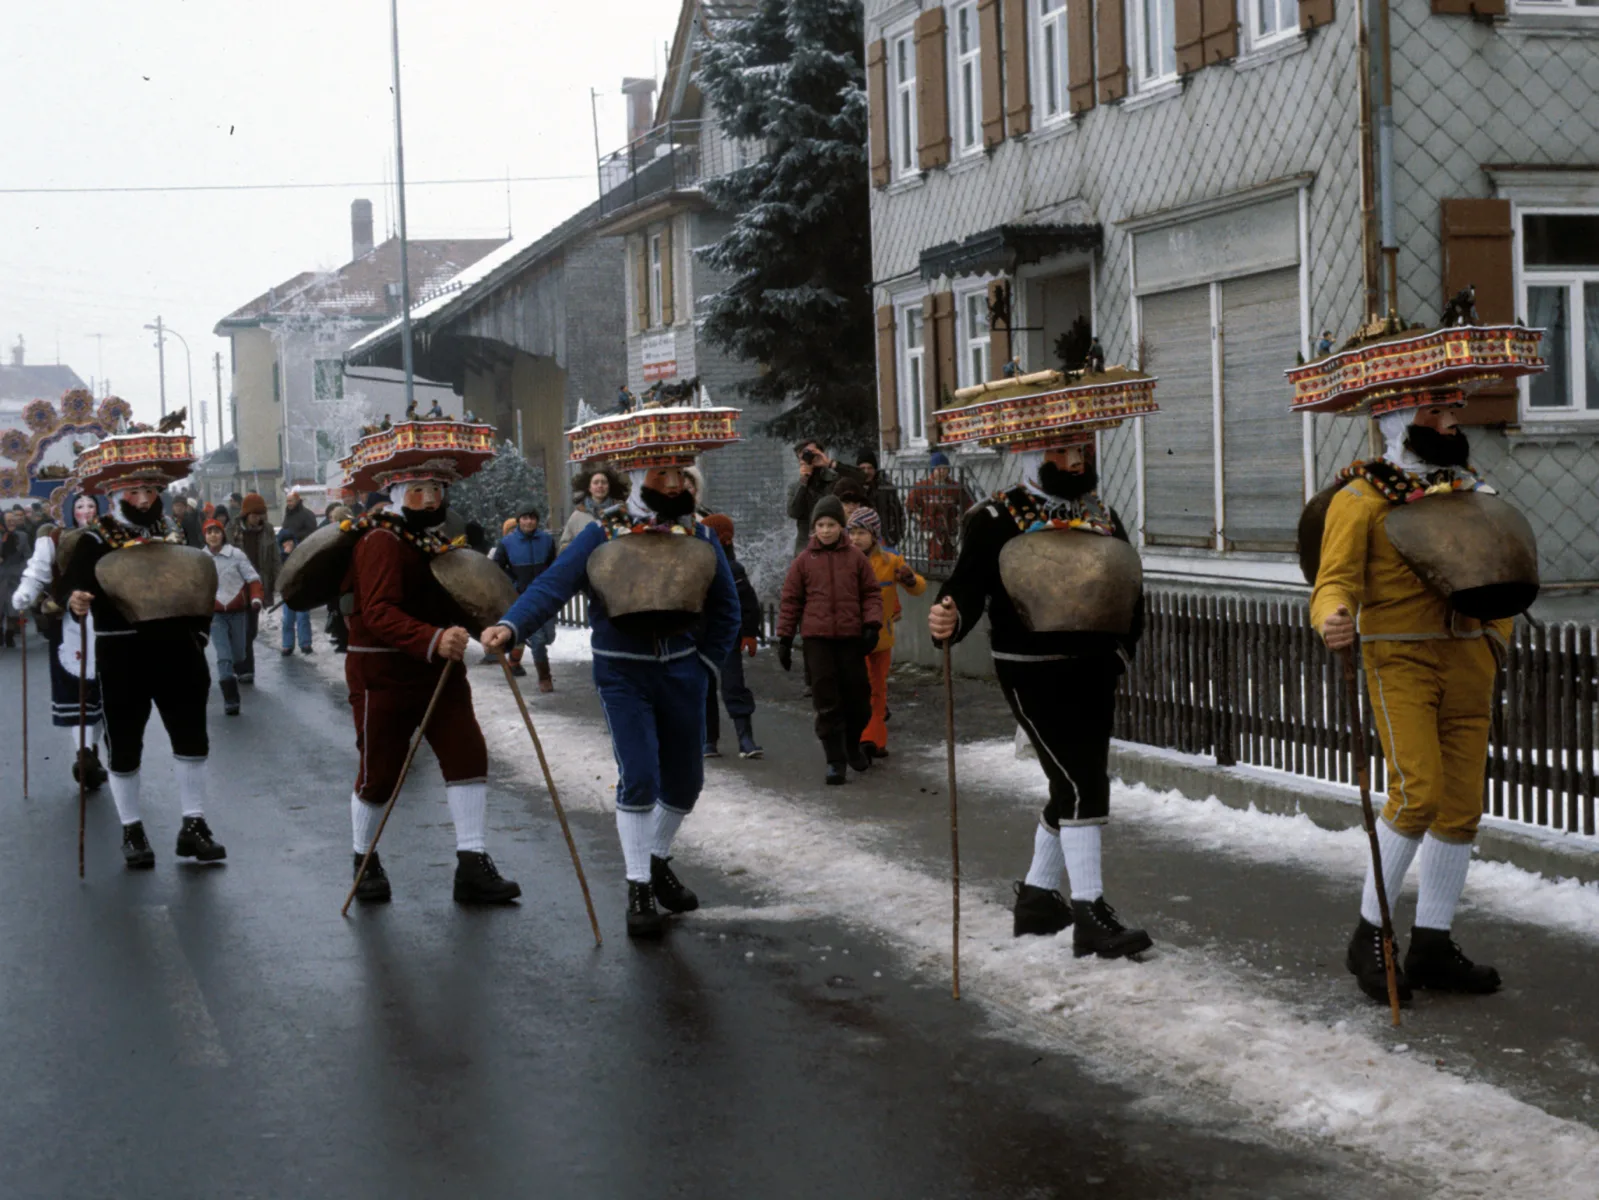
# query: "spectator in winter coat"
[239,593]
[892,574]
[299,520]
[736,694]
[594,489]
[884,499]
[183,513]
[524,553]
[831,598]
[818,474]
[250,532]
[15,550]
[936,505]
[292,620]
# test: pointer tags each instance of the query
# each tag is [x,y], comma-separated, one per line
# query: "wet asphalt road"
[222,1032]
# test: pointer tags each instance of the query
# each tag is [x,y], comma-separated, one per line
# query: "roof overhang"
[649,211]
[1000,250]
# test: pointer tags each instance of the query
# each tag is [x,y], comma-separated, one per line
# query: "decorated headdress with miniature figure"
[443,452]
[127,460]
[1045,409]
[653,437]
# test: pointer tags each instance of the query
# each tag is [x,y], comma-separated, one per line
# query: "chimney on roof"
[360,228]
[640,95]
[16,352]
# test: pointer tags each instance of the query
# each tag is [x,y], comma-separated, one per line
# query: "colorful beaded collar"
[1398,486]
[1032,513]
[429,541]
[117,535]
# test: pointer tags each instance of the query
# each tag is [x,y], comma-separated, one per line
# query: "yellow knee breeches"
[1431,702]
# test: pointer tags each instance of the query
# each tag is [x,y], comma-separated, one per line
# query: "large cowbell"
[1473,549]
[653,584]
[1069,581]
[1312,524]
[156,581]
[481,592]
[315,569]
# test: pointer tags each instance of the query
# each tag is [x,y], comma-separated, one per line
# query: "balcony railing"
[673,157]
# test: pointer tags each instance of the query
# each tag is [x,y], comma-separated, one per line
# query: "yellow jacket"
[886,566]
[1361,570]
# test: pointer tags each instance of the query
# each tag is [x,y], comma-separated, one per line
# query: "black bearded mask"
[668,508]
[1064,484]
[143,518]
[1438,449]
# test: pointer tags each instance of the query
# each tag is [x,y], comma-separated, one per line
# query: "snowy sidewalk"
[1243,1014]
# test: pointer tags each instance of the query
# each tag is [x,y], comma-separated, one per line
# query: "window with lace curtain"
[1560,295]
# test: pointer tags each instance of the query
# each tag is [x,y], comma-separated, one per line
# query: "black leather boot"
[1096,930]
[1039,911]
[668,888]
[374,887]
[478,880]
[1435,961]
[195,841]
[643,918]
[1364,961]
[136,850]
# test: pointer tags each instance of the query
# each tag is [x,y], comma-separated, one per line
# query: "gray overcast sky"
[103,93]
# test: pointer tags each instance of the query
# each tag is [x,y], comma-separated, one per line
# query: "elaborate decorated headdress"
[418,452]
[1045,409]
[127,460]
[653,437]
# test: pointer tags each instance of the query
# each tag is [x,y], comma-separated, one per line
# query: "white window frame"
[1052,105]
[1162,39]
[968,341]
[1576,347]
[912,379]
[1561,8]
[967,79]
[902,114]
[1260,36]
[652,251]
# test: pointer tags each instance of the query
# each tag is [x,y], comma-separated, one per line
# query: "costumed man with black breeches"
[664,609]
[1062,631]
[403,630]
[151,599]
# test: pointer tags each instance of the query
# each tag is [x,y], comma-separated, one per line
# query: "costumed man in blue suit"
[660,613]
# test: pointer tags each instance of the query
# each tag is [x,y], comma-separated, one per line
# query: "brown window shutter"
[641,283]
[1477,252]
[930,336]
[1112,51]
[1315,12]
[1001,346]
[943,349]
[1080,54]
[1221,31]
[887,378]
[1018,100]
[1189,27]
[668,290]
[932,90]
[988,35]
[877,104]
[1469,8]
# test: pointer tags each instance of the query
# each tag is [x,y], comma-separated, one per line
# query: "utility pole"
[161,361]
[399,179]
[222,434]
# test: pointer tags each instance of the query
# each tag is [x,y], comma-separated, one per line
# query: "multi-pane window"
[902,123]
[1050,70]
[1271,19]
[1560,295]
[1154,24]
[974,338]
[968,81]
[1582,8]
[912,397]
[657,311]
[329,379]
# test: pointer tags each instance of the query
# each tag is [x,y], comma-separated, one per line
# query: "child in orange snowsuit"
[865,530]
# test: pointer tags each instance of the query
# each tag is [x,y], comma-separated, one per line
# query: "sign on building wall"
[660,356]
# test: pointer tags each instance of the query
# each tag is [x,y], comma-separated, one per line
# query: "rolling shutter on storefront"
[1112,49]
[1179,442]
[1263,472]
[877,106]
[932,90]
[887,378]
[988,41]
[1080,54]
[1018,98]
[1478,251]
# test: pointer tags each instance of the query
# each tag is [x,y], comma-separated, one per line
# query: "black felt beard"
[1065,485]
[419,520]
[143,518]
[1438,449]
[667,507]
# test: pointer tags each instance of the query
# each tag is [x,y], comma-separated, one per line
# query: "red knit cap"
[253,504]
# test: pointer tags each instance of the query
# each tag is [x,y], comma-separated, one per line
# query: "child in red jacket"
[832,600]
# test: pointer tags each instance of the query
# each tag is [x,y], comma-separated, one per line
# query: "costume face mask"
[1065,484]
[1437,448]
[130,506]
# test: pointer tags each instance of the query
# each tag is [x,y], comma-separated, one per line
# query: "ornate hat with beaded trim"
[418,451]
[1045,409]
[127,460]
[653,437]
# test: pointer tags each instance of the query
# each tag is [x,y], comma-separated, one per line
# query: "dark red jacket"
[829,592]
[400,613]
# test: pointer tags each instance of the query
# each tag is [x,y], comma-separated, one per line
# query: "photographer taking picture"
[818,474]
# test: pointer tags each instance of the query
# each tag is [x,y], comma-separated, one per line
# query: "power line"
[499,181]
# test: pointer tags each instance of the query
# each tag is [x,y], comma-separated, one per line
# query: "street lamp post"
[161,330]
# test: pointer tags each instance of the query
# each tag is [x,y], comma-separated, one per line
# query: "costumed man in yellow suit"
[1430,678]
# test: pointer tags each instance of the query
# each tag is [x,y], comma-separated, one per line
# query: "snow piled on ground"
[1178,1027]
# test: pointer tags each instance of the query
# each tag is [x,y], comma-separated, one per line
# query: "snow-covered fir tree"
[499,489]
[791,77]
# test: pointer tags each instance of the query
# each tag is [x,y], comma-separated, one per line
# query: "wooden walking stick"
[555,797]
[1363,776]
[22,633]
[405,769]
[954,820]
[83,714]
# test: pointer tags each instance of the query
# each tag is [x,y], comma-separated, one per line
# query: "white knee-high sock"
[191,775]
[125,794]
[1079,846]
[364,819]
[1397,853]
[469,803]
[1048,861]
[666,823]
[637,831]
[1441,874]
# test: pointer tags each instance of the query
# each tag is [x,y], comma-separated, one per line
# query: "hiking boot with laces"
[1096,930]
[90,767]
[478,880]
[1039,911]
[1435,961]
[643,918]
[1364,961]
[136,850]
[669,889]
[374,886]
[195,841]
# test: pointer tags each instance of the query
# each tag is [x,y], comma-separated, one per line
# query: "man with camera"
[818,474]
